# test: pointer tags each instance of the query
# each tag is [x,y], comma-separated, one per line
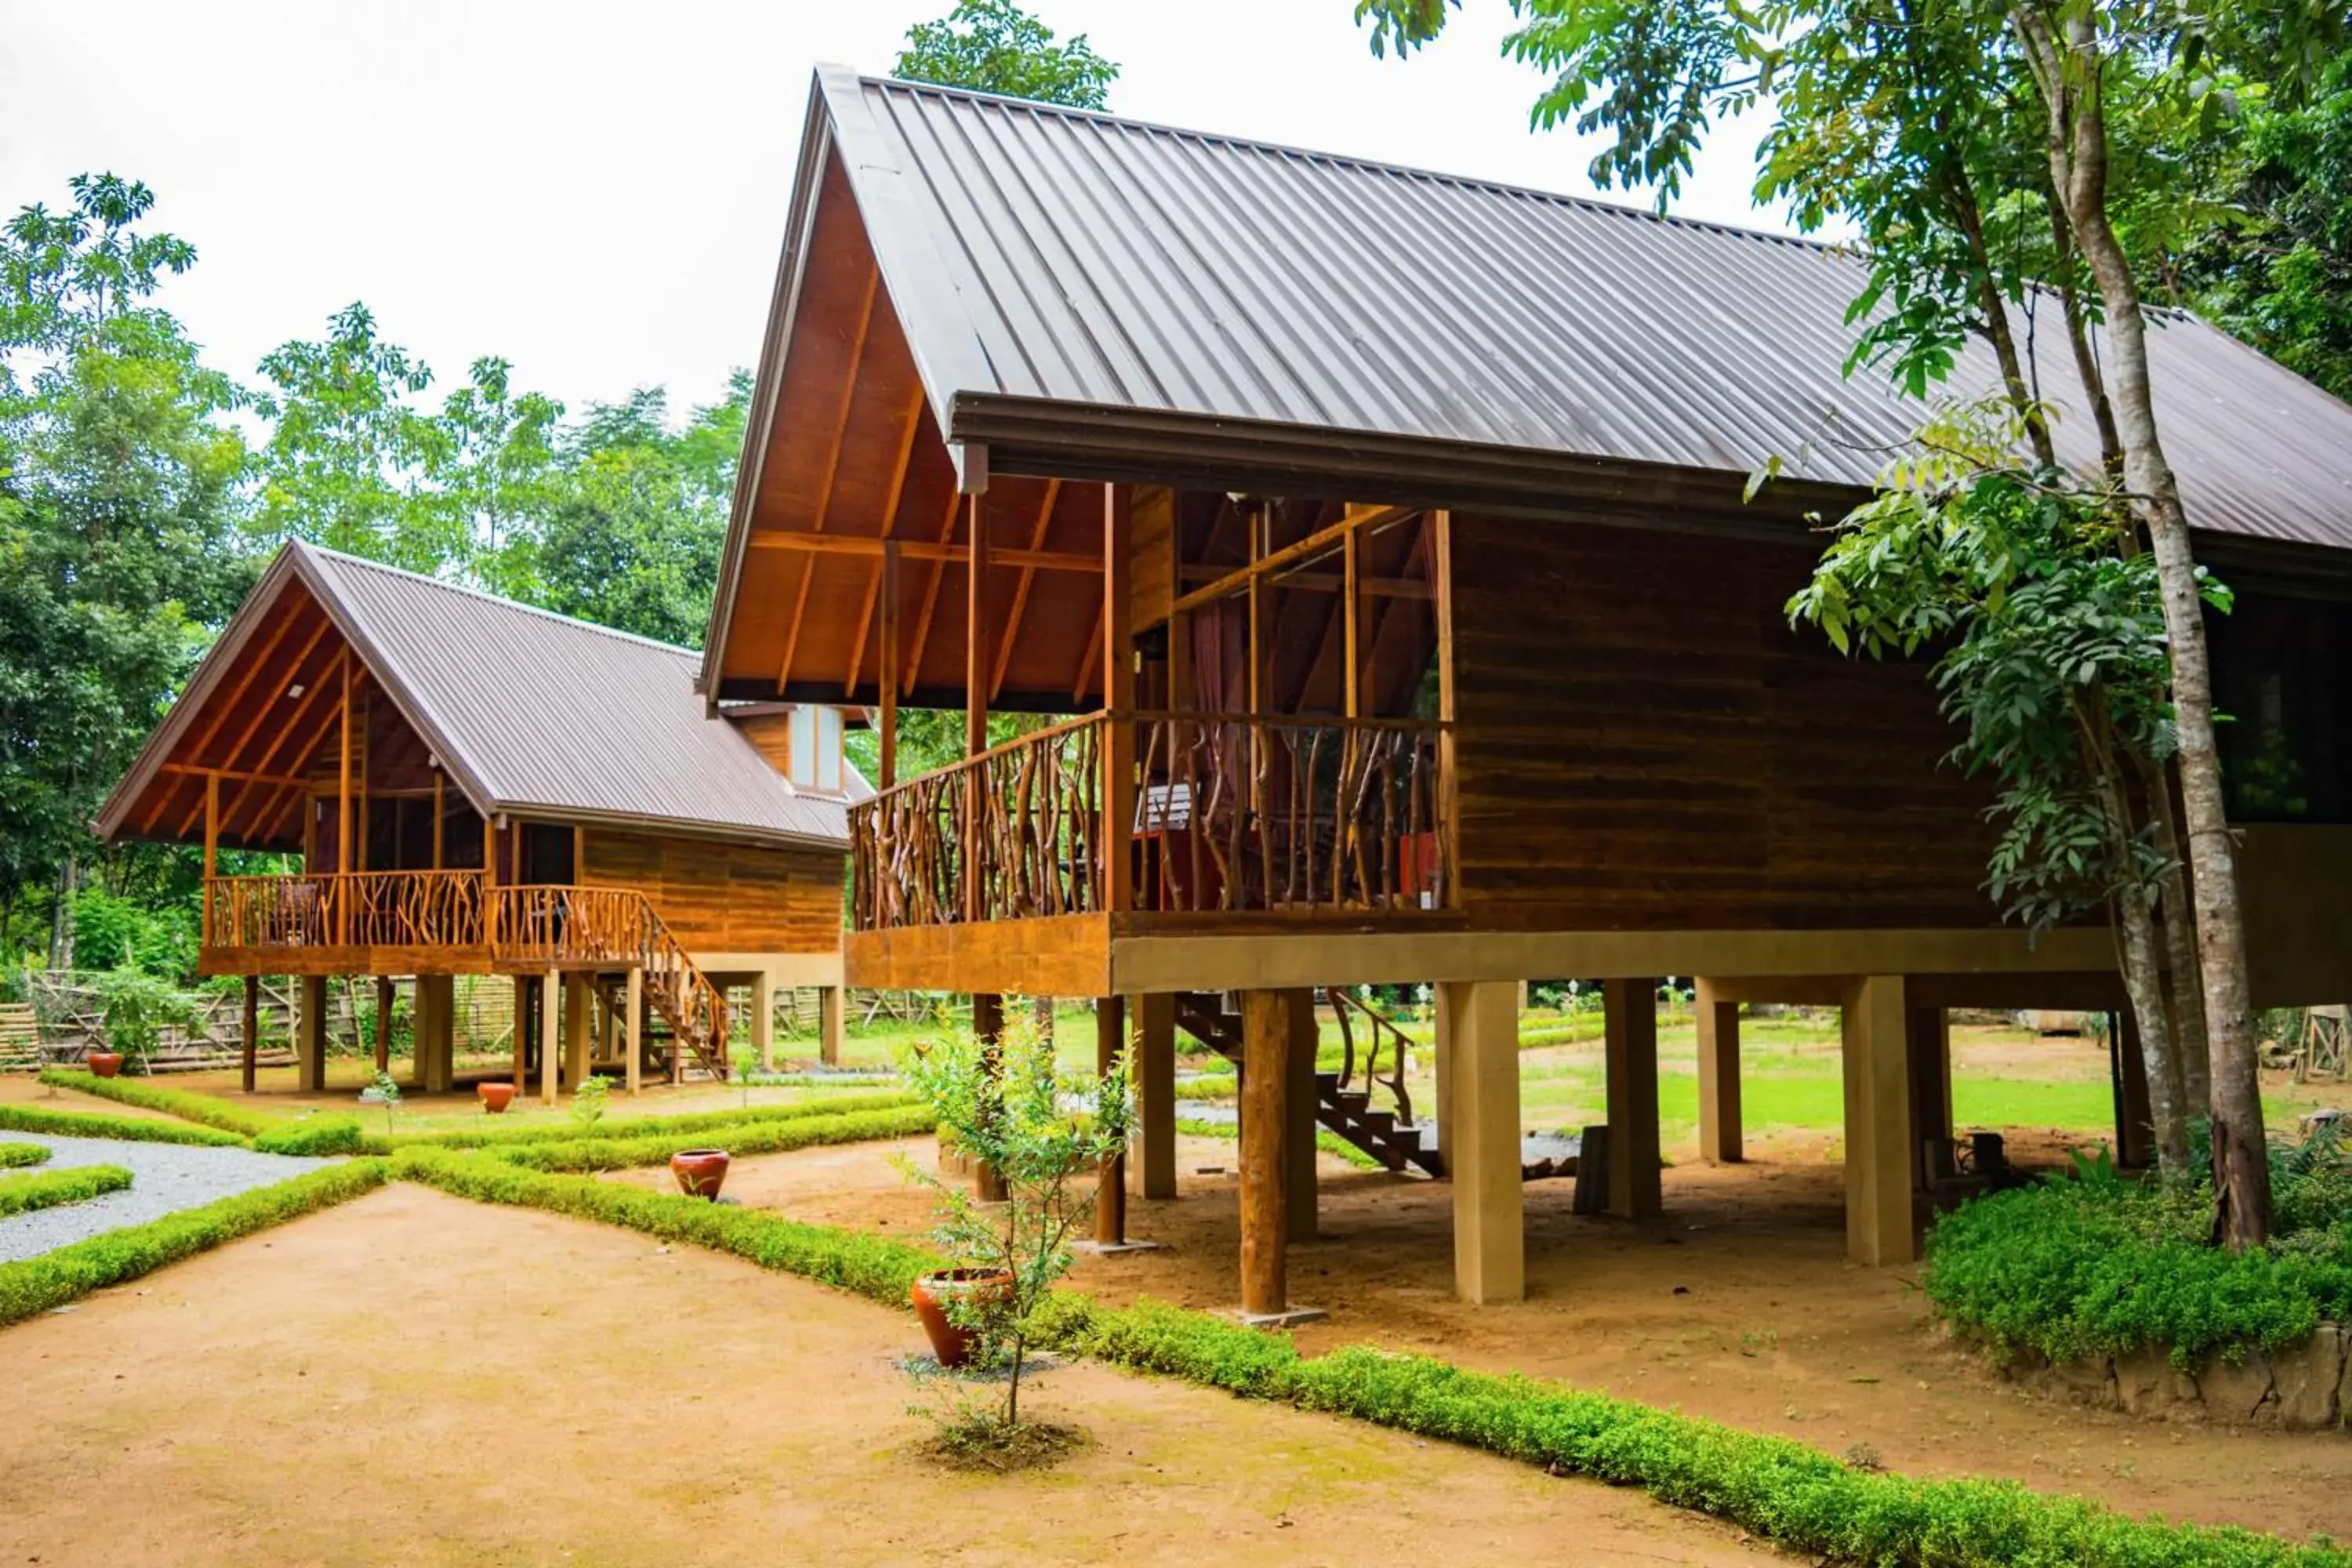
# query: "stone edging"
[2305,1387]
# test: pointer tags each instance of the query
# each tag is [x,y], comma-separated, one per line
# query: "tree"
[993,46]
[118,504]
[2048,75]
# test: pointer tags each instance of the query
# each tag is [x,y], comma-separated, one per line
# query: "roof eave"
[675,826]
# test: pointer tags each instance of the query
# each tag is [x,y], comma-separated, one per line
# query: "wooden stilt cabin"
[1379,539]
[474,786]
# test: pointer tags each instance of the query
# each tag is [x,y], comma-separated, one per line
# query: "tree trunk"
[1997,328]
[2069,79]
[2144,984]
[61,921]
[2192,1047]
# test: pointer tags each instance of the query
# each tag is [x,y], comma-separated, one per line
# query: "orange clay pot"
[951,1341]
[496,1097]
[105,1064]
[700,1173]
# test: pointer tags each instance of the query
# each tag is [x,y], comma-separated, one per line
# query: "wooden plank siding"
[1644,744]
[725,897]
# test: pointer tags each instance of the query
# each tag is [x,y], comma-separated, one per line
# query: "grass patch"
[37,1285]
[1778,1488]
[1330,1142]
[202,1110]
[15,1156]
[48,1189]
[83,1124]
[740,1139]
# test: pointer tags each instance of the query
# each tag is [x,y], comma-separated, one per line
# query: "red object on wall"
[1420,870]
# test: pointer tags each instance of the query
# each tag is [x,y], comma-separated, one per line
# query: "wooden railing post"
[1115,835]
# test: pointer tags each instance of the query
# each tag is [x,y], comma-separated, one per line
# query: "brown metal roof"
[1078,290]
[531,712]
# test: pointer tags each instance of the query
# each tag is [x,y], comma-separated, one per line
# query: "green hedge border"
[16,1156]
[494,1133]
[48,1189]
[87,1124]
[37,1285]
[740,1139]
[204,1109]
[1774,1487]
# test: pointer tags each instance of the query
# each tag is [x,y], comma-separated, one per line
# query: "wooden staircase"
[617,928]
[1343,1100]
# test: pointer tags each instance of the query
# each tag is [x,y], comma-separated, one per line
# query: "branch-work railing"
[531,926]
[1224,813]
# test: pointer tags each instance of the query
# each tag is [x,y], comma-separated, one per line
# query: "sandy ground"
[25,1089]
[415,1379]
[1738,1306]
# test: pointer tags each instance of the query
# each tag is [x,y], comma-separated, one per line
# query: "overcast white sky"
[597,191]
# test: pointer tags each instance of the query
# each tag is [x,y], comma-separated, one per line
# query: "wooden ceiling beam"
[931,588]
[307,700]
[302,658]
[943,550]
[1089,655]
[911,424]
[1272,563]
[832,468]
[1021,593]
[221,710]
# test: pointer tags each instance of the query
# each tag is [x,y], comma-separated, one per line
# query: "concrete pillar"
[1878,1138]
[1267,1039]
[831,1022]
[1719,1131]
[1929,1042]
[310,1036]
[988,1028]
[633,1030]
[551,1031]
[763,1018]
[1481,1026]
[1631,1041]
[575,1031]
[1442,1069]
[1110,1188]
[1298,1181]
[1155,1095]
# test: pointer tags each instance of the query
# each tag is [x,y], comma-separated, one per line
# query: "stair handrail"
[1379,1025]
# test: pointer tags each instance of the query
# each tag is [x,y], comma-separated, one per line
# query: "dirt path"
[415,1379]
[1738,1306]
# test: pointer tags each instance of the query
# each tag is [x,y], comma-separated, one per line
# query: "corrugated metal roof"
[542,714]
[1038,253]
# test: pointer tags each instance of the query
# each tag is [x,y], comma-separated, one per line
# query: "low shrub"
[84,1124]
[201,1109]
[2074,1269]
[16,1155]
[36,1285]
[46,1189]
[1775,1487]
[320,1136]
[740,1138]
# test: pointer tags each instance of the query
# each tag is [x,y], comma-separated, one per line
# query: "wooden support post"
[632,1033]
[383,1006]
[1155,1094]
[832,1022]
[252,1029]
[1878,1138]
[310,1036]
[1265,1165]
[550,1032]
[1928,1041]
[1481,1023]
[888,721]
[523,999]
[988,1028]
[575,1031]
[978,660]
[1110,1190]
[2135,1120]
[763,1018]
[343,809]
[1720,1141]
[1631,1036]
[439,813]
[436,1030]
[212,852]
[1299,1183]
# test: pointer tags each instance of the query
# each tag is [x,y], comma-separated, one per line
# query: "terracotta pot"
[496,1097]
[700,1173]
[105,1064]
[951,1341]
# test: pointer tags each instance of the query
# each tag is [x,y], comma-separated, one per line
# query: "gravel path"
[164,1179]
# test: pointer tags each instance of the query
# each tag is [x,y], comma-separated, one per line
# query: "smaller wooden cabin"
[476,787]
